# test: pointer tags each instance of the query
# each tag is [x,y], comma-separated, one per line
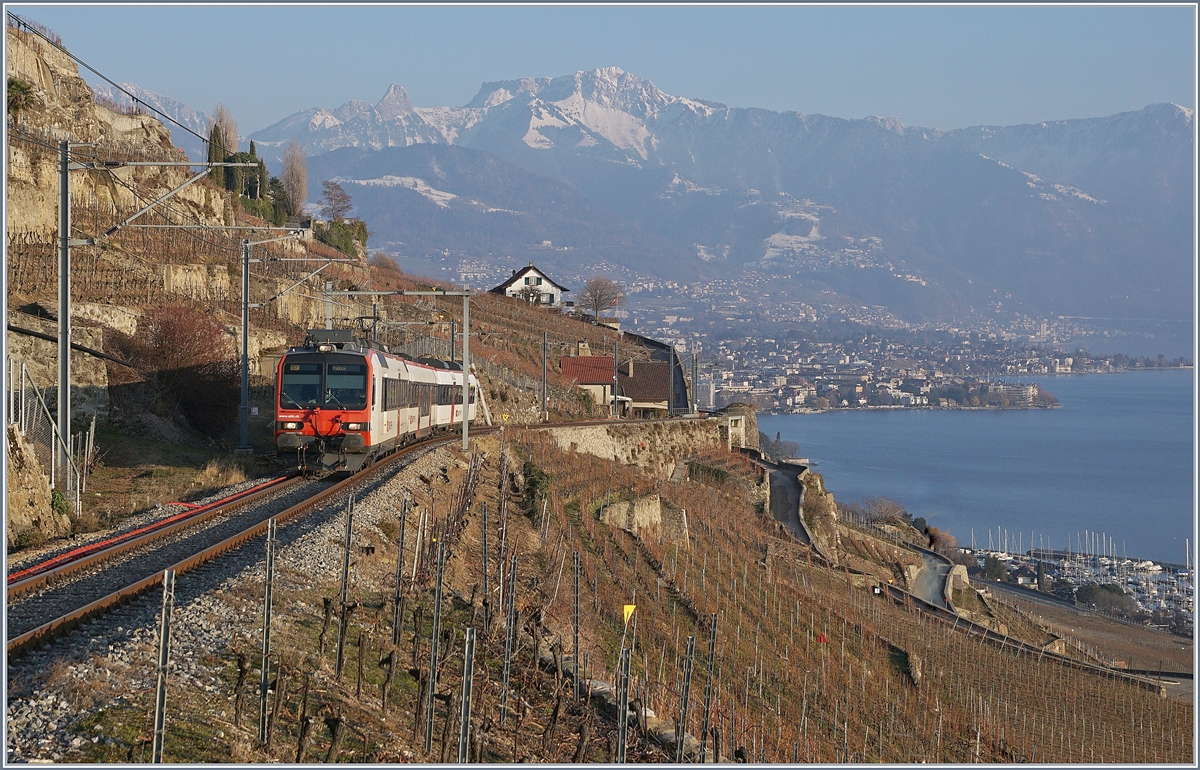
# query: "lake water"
[1118,457]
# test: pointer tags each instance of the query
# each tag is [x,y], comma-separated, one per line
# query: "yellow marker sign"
[629,608]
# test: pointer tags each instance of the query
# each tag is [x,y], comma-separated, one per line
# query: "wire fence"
[28,410]
[864,523]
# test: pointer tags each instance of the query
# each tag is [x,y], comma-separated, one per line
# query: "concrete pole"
[612,412]
[575,627]
[464,719]
[265,679]
[341,645]
[622,705]
[164,657]
[681,725]
[545,401]
[328,305]
[692,390]
[397,618]
[435,637]
[712,651]
[64,300]
[466,364]
[245,406]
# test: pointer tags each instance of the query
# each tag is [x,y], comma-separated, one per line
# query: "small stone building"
[643,387]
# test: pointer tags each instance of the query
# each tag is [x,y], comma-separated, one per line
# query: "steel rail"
[65,564]
[48,631]
[901,597]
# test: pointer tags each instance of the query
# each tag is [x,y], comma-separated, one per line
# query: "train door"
[424,402]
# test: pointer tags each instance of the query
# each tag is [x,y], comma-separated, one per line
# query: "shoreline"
[899,407]
[930,407]
[1050,472]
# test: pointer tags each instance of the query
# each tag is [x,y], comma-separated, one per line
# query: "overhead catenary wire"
[21,23]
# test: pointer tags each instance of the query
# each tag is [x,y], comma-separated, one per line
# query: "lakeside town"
[746,344]
[1153,593]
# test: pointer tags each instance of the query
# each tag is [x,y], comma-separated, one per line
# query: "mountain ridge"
[1087,216]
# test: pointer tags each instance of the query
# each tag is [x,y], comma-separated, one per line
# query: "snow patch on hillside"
[542,118]
[680,184]
[1075,192]
[323,119]
[450,122]
[782,244]
[416,184]
[619,127]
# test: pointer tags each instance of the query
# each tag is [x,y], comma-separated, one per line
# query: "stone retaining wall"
[655,447]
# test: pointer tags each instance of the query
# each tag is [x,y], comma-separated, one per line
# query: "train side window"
[391,394]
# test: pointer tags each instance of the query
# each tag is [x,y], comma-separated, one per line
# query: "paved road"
[931,580]
[785,503]
[1026,594]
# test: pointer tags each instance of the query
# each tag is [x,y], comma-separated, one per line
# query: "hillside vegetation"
[810,665]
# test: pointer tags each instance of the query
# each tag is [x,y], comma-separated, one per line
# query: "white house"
[532,285]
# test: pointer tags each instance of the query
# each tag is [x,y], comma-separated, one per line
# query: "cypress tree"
[216,154]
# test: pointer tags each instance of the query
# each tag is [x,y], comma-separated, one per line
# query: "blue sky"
[940,67]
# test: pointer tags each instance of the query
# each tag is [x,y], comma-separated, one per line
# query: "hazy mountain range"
[1089,217]
[197,121]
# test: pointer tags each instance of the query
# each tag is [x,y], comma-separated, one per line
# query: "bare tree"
[600,293]
[886,510]
[223,119]
[335,202]
[531,294]
[295,177]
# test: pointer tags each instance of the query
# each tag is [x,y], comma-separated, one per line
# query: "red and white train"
[342,403]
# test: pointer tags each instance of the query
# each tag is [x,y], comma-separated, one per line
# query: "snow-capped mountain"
[576,126]
[1075,217]
[392,122]
[200,122]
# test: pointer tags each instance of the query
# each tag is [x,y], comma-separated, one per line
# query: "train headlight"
[356,426]
[326,348]
[291,425]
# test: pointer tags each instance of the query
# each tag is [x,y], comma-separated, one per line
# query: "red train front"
[341,403]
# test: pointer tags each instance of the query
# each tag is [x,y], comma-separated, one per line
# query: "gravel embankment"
[30,611]
[111,661]
[31,556]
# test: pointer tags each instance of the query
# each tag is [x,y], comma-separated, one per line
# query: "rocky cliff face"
[89,375]
[30,518]
[819,510]
[61,108]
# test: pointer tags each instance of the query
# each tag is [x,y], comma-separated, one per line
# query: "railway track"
[52,598]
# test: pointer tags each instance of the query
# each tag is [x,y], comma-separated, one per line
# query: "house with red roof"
[643,388]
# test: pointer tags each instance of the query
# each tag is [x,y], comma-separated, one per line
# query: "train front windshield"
[346,386]
[331,386]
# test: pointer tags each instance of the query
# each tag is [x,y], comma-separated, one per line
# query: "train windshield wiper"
[286,395]
[329,395]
